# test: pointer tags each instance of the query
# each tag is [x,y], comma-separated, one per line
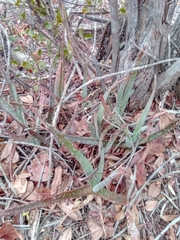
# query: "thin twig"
[171,201]
[167,227]
[147,182]
[115,74]
[56,115]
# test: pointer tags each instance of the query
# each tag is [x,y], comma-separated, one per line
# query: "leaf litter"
[37,170]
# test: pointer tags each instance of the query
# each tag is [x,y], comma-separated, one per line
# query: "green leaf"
[36,88]
[27,65]
[39,52]
[81,33]
[17,2]
[85,9]
[99,173]
[14,62]
[122,10]
[84,162]
[13,38]
[137,131]
[22,16]
[48,25]
[58,16]
[128,91]
[88,36]
[15,114]
[30,33]
[89,2]
[42,64]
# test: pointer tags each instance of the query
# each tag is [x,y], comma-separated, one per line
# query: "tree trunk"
[148,27]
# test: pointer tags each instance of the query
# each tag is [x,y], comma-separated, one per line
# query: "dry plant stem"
[27,143]
[177,189]
[50,159]
[170,174]
[7,58]
[159,203]
[10,161]
[147,182]
[167,227]
[117,73]
[119,233]
[55,119]
[7,180]
[42,203]
[171,201]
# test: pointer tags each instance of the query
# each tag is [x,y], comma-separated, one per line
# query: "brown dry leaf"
[88,199]
[15,158]
[39,194]
[43,157]
[6,151]
[66,235]
[57,180]
[5,167]
[69,209]
[171,116]
[158,149]
[33,217]
[164,121]
[137,116]
[2,146]
[150,205]
[29,189]
[120,215]
[158,163]
[20,185]
[141,174]
[151,237]
[95,229]
[108,232]
[24,174]
[135,214]
[136,158]
[8,232]
[36,169]
[33,196]
[26,99]
[177,136]
[154,189]
[124,236]
[72,128]
[43,193]
[81,126]
[132,228]
[172,235]
[169,218]
[152,148]
[78,202]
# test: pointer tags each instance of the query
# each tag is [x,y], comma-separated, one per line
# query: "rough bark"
[115,28]
[167,78]
[148,27]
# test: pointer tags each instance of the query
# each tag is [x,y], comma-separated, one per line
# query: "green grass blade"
[84,162]
[137,131]
[127,93]
[11,111]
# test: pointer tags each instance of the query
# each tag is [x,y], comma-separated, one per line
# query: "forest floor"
[36,162]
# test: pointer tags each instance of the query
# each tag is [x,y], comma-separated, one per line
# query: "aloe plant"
[86,165]
[132,138]
[125,91]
